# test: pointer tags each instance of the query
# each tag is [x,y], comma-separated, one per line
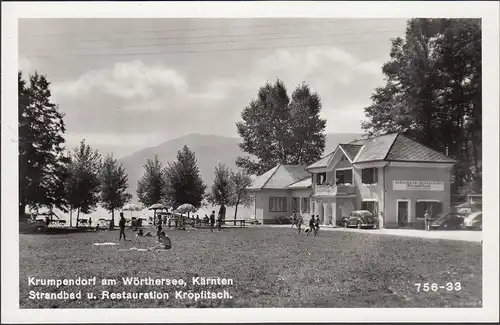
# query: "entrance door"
[403,213]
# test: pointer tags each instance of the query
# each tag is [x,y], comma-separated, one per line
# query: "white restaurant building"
[393,176]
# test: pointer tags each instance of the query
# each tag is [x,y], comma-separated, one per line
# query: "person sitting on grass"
[122,226]
[164,242]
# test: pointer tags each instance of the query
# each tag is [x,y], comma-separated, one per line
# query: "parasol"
[157,206]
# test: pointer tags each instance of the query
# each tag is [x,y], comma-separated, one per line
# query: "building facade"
[394,177]
[282,192]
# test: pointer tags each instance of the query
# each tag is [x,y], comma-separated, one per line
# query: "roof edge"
[270,176]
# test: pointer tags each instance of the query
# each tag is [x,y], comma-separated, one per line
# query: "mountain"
[209,150]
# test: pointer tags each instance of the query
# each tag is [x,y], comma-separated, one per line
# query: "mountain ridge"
[209,150]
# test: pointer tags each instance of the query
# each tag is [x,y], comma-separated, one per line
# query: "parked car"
[360,219]
[474,221]
[447,221]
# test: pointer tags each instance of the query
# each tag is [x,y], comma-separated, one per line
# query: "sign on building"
[418,186]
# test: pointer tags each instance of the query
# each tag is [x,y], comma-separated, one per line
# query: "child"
[311,225]
[299,224]
[316,226]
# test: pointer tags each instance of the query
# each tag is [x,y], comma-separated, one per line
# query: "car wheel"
[359,225]
[344,224]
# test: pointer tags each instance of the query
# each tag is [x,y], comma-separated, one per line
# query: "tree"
[114,184]
[83,181]
[152,186]
[433,93]
[221,191]
[240,182]
[41,146]
[185,184]
[277,130]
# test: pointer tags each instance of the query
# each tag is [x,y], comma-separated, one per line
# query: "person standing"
[159,230]
[219,222]
[90,222]
[299,223]
[427,218]
[316,225]
[212,221]
[121,224]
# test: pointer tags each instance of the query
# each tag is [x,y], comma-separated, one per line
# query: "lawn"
[270,267]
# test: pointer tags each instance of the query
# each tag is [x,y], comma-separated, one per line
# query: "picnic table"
[241,221]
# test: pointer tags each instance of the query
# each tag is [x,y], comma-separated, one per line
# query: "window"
[295,204]
[305,204]
[434,208]
[371,206]
[321,178]
[277,204]
[343,176]
[369,176]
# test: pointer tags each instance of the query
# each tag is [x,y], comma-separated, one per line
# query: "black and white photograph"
[245,160]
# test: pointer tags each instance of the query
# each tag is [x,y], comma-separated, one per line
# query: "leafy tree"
[433,93]
[240,182]
[114,184]
[83,181]
[151,188]
[277,130]
[185,184]
[221,191]
[41,146]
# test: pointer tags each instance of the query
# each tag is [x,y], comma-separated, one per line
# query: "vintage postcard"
[261,159]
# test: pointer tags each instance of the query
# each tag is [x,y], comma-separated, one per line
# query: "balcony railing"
[334,190]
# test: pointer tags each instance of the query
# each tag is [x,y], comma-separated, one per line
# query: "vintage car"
[474,221]
[447,221]
[360,219]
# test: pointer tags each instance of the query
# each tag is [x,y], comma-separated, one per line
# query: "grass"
[271,267]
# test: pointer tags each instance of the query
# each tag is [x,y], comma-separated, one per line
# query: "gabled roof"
[388,147]
[375,148]
[322,162]
[280,177]
[351,150]
[305,183]
[405,149]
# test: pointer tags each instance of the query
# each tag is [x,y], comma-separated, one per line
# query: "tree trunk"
[77,217]
[236,210]
[70,216]
[112,222]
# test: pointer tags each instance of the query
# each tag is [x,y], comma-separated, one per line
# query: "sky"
[128,84]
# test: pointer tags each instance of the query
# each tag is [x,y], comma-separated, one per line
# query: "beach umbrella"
[157,206]
[131,207]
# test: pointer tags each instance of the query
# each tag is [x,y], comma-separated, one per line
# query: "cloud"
[24,64]
[125,80]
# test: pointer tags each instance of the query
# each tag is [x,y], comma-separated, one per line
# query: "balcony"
[334,190]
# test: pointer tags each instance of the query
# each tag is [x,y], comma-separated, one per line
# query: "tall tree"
[185,184]
[152,186]
[240,182]
[41,145]
[83,182]
[433,93]
[221,191]
[114,184]
[277,130]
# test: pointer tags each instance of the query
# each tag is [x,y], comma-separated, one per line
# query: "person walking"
[121,224]
[294,220]
[311,225]
[427,218]
[212,221]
